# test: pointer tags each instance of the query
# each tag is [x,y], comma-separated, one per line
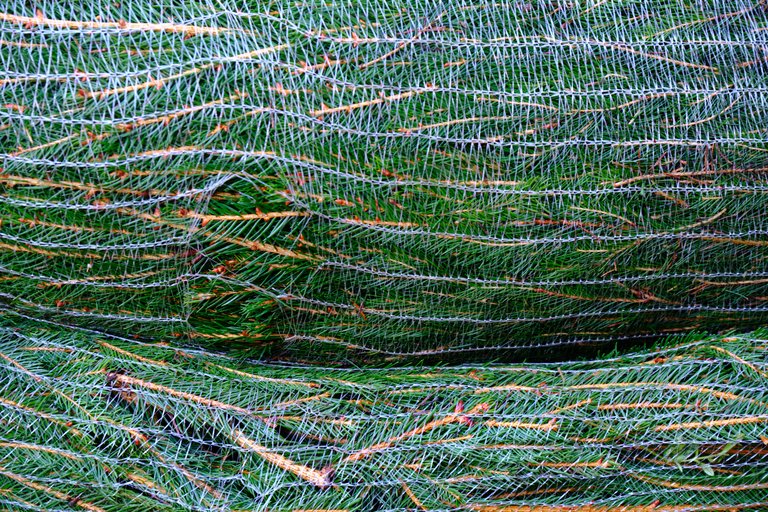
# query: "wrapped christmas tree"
[384,256]
[95,422]
[358,181]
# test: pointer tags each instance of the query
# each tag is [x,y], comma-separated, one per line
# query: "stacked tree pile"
[367,179]
[101,423]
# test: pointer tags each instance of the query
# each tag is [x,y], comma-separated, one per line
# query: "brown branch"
[40,414]
[706,20]
[131,354]
[703,222]
[321,479]
[517,103]
[733,283]
[739,359]
[644,297]
[41,21]
[22,44]
[48,490]
[348,108]
[147,483]
[631,50]
[46,145]
[624,105]
[12,180]
[644,405]
[669,197]
[159,83]
[254,245]
[723,395]
[170,117]
[699,487]
[735,241]
[265,379]
[17,445]
[570,407]
[288,403]
[126,382]
[706,119]
[246,216]
[412,496]
[446,420]
[18,365]
[690,174]
[596,464]
[748,420]
[87,255]
[607,508]
[402,45]
[549,426]
[455,121]
[126,393]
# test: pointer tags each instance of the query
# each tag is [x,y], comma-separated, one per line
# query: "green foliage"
[384,182]
[97,422]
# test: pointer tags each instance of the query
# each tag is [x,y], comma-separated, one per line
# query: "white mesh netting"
[97,422]
[374,183]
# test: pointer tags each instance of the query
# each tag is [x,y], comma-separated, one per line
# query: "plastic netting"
[358,180]
[103,423]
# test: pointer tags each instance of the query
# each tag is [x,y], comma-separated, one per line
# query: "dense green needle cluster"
[104,423]
[376,180]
